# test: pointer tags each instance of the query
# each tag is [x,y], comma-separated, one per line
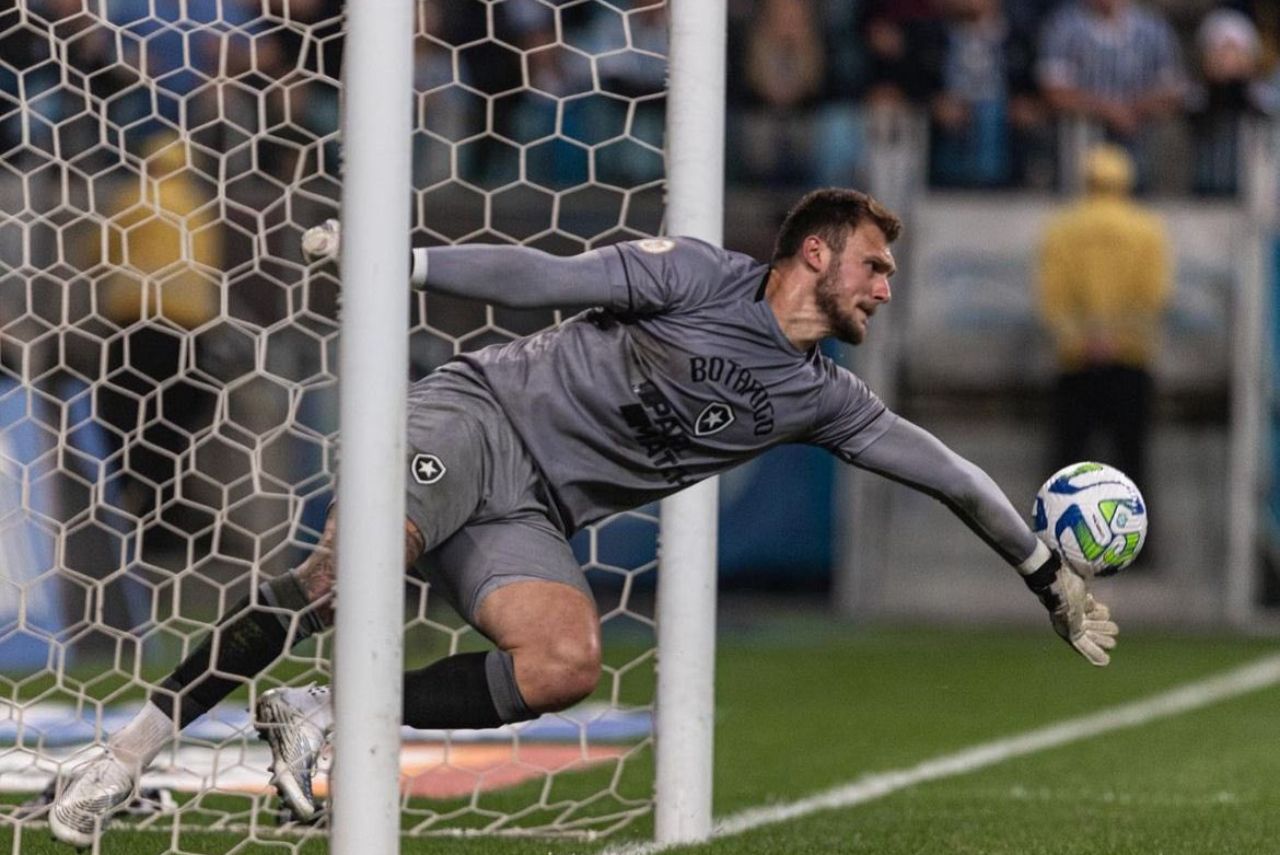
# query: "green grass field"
[805,704]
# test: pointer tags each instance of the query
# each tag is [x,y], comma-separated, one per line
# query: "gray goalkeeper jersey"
[681,374]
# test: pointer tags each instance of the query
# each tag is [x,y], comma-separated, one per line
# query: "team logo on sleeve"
[656,246]
[426,468]
[713,419]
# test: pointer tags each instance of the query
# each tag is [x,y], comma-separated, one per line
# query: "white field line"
[1229,684]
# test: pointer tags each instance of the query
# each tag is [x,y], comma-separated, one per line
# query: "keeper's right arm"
[514,276]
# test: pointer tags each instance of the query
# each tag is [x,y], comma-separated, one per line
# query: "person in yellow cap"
[1104,282]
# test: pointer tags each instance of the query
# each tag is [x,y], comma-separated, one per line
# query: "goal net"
[168,400]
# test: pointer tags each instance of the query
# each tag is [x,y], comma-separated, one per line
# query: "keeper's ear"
[815,253]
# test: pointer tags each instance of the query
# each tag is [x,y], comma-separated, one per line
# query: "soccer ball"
[1093,516]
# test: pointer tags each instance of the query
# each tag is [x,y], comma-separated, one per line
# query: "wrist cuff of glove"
[418,267]
[1043,576]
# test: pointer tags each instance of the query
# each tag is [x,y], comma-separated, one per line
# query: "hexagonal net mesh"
[167,357]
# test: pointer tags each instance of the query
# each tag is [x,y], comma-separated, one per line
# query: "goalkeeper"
[693,360]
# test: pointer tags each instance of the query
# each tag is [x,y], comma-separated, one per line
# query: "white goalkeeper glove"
[322,241]
[1081,620]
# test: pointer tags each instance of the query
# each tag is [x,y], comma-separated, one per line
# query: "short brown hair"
[832,214]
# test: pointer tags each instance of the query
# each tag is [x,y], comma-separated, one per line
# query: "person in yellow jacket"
[1105,280]
[164,251]
[164,243]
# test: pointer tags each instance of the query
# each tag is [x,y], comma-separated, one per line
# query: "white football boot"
[297,724]
[96,790]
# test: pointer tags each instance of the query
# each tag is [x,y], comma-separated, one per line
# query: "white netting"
[167,357]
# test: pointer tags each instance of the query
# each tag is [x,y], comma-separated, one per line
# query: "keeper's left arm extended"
[912,456]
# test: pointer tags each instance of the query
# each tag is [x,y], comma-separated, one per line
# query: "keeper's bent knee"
[565,673]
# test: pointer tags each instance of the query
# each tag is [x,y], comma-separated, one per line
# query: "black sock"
[473,690]
[248,639]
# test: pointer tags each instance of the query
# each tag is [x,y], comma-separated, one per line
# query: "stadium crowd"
[998,81]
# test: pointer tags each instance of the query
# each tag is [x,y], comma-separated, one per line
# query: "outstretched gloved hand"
[1076,615]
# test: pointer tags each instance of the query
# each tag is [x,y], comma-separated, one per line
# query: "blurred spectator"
[906,41]
[1105,274]
[1030,15]
[631,63]
[164,241]
[557,106]
[180,48]
[442,106]
[784,54]
[1228,92]
[164,256]
[531,27]
[784,65]
[1116,64]
[987,112]
[839,151]
[1266,15]
[50,68]
[641,69]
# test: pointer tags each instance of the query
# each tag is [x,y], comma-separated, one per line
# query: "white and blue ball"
[1093,516]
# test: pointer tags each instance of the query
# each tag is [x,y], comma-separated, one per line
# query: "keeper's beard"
[842,322]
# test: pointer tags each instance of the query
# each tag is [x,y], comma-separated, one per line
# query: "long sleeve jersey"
[680,372]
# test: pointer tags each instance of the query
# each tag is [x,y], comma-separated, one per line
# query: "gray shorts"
[477,496]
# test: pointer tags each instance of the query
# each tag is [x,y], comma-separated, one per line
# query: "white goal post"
[369,633]
[687,561]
